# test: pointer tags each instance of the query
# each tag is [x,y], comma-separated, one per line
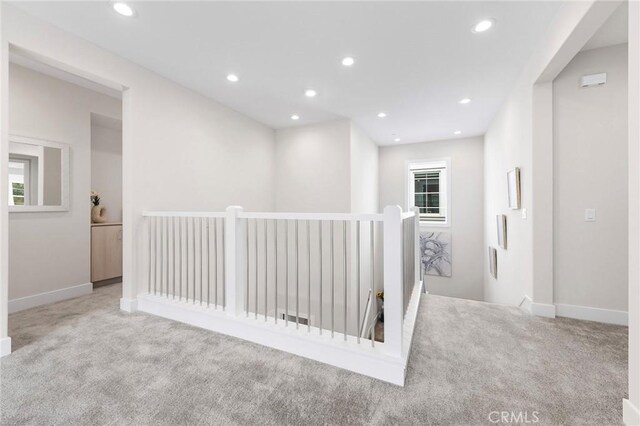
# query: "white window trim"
[65,160]
[427,163]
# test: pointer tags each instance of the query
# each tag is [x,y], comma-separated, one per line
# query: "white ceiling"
[414,60]
[613,31]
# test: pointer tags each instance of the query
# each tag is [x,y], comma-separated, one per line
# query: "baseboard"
[608,316]
[409,325]
[543,310]
[526,304]
[5,346]
[129,305]
[630,414]
[373,362]
[17,305]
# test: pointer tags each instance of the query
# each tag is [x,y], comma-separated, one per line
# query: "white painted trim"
[5,346]
[409,325]
[64,169]
[630,414]
[376,217]
[543,310]
[184,214]
[129,305]
[360,358]
[408,181]
[526,304]
[17,305]
[393,279]
[608,316]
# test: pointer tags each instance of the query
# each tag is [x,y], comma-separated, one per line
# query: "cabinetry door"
[106,252]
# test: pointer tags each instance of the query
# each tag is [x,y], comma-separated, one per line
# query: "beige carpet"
[84,362]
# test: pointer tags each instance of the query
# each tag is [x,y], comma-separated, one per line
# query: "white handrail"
[183,214]
[406,215]
[312,216]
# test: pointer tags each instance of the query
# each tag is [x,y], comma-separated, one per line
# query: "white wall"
[590,171]
[364,172]
[165,127]
[106,168]
[466,228]
[50,251]
[526,268]
[632,405]
[313,168]
[507,145]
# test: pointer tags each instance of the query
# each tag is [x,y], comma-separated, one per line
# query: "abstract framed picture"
[435,253]
[493,262]
[501,222]
[513,186]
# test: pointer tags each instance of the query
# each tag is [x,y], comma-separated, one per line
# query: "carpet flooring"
[84,362]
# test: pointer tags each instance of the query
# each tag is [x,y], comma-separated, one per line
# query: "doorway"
[52,115]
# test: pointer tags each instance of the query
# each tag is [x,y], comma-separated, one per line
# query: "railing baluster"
[166,254]
[215,262]
[344,251]
[158,282]
[208,235]
[247,288]
[223,260]
[333,291]
[286,273]
[266,270]
[193,246]
[320,281]
[275,268]
[151,254]
[309,277]
[372,283]
[297,268]
[181,259]
[255,261]
[173,257]
[159,255]
[163,262]
[187,268]
[200,229]
[358,279]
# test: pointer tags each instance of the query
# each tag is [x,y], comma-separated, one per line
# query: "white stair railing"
[313,274]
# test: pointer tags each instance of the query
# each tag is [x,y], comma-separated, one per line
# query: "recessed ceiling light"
[348,61]
[232,78]
[396,140]
[464,101]
[483,26]
[310,93]
[123,9]
[457,132]
[295,117]
[381,115]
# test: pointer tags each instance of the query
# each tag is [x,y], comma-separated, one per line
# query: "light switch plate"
[524,213]
[590,215]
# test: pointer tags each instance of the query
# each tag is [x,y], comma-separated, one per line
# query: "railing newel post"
[393,285]
[235,260]
[416,241]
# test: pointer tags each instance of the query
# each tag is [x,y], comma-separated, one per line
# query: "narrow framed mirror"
[38,175]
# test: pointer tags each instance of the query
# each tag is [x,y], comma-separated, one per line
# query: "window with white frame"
[428,190]
[19,174]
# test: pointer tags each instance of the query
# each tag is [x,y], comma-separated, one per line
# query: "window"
[428,191]
[19,176]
